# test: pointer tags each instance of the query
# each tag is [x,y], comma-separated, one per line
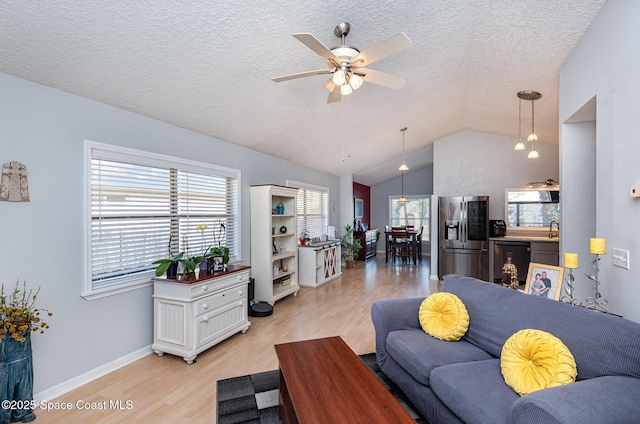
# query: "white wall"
[606,64]
[42,241]
[470,163]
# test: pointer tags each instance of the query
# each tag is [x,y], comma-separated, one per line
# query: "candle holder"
[596,302]
[568,288]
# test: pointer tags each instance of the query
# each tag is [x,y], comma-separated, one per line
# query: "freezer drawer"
[470,263]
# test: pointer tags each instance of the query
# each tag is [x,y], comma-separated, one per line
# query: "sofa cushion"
[443,316]
[533,360]
[418,353]
[474,391]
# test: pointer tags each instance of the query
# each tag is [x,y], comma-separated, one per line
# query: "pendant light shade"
[533,137]
[402,199]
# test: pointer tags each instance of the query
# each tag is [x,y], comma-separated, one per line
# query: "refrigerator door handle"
[464,221]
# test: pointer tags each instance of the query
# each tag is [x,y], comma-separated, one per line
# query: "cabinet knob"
[240,293]
[205,306]
[239,277]
[206,319]
[205,288]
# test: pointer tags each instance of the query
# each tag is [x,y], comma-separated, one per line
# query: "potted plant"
[19,317]
[350,247]
[170,266]
[304,237]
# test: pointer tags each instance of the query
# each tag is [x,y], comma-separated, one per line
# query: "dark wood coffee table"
[322,381]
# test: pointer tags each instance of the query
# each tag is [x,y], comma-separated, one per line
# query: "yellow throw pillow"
[444,316]
[533,359]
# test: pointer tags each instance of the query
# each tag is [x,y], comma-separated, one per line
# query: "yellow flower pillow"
[444,316]
[533,359]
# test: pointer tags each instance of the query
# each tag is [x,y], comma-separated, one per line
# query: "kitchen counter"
[545,238]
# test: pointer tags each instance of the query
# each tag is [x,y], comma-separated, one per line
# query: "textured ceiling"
[207,66]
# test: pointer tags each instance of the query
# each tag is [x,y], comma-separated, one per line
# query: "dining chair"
[399,245]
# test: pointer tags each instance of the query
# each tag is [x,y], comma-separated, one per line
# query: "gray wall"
[45,129]
[606,63]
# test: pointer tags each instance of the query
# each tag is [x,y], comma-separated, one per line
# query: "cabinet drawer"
[206,287]
[220,299]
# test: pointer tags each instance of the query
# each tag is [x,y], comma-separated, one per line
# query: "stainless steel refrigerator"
[463,236]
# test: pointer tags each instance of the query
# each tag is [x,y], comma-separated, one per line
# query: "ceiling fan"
[346,63]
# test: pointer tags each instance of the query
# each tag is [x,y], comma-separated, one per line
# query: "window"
[415,213]
[313,208]
[142,207]
[532,208]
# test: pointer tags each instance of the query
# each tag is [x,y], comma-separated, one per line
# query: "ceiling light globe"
[519,146]
[356,81]
[345,89]
[338,77]
[403,167]
[533,154]
[402,200]
[532,137]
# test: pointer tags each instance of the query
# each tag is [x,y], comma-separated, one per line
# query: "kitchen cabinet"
[545,253]
[191,316]
[368,241]
[319,263]
[274,242]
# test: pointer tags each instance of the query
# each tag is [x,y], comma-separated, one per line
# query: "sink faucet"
[553,234]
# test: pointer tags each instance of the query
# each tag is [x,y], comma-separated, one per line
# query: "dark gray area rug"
[254,398]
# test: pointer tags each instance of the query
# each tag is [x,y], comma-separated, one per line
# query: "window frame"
[306,186]
[426,226]
[144,158]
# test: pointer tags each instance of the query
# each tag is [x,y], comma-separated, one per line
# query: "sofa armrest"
[601,400]
[393,314]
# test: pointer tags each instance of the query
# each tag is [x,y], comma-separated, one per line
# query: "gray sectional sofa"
[454,382]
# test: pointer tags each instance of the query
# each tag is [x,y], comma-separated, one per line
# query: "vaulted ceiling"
[207,66]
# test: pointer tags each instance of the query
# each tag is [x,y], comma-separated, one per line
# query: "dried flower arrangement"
[18,312]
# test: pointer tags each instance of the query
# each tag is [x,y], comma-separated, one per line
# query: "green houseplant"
[170,266]
[350,247]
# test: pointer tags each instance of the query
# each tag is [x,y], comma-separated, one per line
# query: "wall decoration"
[359,208]
[544,280]
[13,185]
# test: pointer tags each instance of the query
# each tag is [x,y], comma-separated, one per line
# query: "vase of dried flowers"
[18,318]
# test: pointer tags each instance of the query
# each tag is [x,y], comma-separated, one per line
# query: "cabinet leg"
[159,353]
[190,360]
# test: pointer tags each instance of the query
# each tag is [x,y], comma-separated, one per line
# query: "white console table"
[192,316]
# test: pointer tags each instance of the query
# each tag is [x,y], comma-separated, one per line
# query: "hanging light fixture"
[402,199]
[403,167]
[533,137]
[520,145]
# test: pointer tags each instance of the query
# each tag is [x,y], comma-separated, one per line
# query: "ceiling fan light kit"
[346,63]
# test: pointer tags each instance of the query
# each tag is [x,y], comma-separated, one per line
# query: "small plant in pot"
[304,237]
[170,266]
[350,247]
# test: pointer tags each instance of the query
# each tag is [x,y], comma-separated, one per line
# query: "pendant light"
[520,145]
[533,137]
[403,167]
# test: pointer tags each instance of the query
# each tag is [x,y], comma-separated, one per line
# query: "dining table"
[412,234]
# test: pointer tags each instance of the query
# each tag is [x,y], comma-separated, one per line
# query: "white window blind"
[144,206]
[313,208]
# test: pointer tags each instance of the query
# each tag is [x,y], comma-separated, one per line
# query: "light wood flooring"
[167,390]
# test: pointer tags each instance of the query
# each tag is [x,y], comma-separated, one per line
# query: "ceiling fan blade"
[381,50]
[381,78]
[334,91]
[301,75]
[314,44]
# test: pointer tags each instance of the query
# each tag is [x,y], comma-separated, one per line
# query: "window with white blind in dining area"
[313,208]
[143,207]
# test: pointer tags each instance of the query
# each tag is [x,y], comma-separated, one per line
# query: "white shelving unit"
[319,263]
[268,233]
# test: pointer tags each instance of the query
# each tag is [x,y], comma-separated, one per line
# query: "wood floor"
[167,390]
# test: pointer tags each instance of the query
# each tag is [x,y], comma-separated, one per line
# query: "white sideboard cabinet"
[192,316]
[319,263]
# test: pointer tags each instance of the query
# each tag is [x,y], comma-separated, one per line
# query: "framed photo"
[359,208]
[218,263]
[544,280]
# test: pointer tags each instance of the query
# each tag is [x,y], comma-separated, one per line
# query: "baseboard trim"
[81,380]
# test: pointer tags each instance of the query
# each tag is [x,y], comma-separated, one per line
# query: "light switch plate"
[621,258]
